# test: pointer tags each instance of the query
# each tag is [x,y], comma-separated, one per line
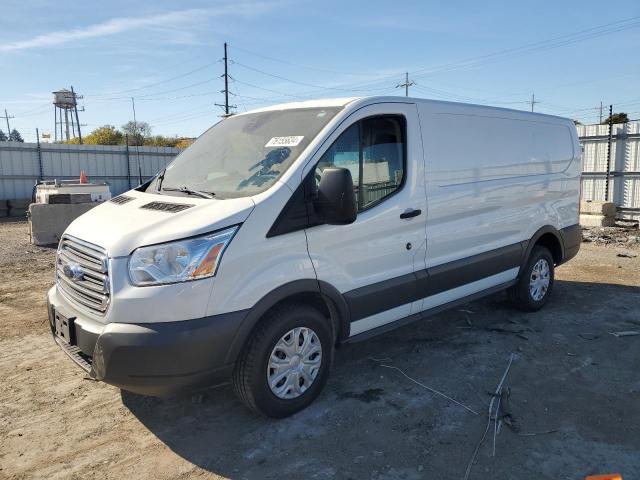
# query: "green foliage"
[616,118]
[138,135]
[3,136]
[105,135]
[160,141]
[184,142]
[15,136]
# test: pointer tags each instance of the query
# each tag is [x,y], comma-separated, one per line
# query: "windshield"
[243,155]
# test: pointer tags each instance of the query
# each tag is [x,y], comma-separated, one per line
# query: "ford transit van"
[286,231]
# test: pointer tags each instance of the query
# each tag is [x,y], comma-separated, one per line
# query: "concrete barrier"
[588,220]
[597,214]
[48,222]
[607,209]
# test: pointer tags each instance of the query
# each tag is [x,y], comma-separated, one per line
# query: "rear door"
[373,261]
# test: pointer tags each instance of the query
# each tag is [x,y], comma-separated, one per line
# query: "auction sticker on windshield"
[291,141]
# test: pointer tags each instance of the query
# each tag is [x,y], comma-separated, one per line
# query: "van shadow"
[366,424]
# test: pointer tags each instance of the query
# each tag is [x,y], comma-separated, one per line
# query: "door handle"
[410,213]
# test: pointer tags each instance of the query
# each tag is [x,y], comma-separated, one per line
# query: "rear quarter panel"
[494,177]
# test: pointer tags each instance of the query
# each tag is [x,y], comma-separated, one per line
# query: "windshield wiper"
[160,179]
[188,191]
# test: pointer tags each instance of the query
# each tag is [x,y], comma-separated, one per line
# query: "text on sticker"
[290,141]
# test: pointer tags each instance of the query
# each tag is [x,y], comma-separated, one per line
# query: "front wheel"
[534,286]
[286,361]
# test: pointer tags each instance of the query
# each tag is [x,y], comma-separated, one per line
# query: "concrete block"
[48,222]
[598,208]
[589,220]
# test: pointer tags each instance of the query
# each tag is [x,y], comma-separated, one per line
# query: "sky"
[571,55]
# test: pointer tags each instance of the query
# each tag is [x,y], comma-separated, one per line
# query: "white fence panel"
[20,165]
[624,166]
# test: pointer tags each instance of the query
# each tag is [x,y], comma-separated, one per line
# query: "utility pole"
[606,185]
[39,149]
[7,117]
[75,107]
[226,82]
[533,101]
[601,112]
[406,84]
[226,76]
[135,134]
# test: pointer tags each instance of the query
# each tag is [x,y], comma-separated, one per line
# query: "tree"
[184,142]
[137,132]
[616,118]
[105,135]
[160,141]
[15,136]
[3,136]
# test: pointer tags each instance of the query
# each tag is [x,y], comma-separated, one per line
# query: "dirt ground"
[574,394]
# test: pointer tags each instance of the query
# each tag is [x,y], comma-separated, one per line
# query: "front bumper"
[159,359]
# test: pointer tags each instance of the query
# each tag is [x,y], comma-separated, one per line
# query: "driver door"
[373,261]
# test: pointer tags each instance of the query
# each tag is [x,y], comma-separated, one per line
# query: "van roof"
[319,103]
[342,102]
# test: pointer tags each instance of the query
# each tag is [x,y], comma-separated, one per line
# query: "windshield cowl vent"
[121,199]
[167,207]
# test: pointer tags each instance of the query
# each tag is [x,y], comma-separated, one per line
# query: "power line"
[141,97]
[280,77]
[34,111]
[346,87]
[555,42]
[287,62]
[151,85]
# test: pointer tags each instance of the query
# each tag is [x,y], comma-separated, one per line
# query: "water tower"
[65,103]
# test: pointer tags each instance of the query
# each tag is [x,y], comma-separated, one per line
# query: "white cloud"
[124,24]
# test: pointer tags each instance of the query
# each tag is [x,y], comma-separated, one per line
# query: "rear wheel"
[534,286]
[286,361]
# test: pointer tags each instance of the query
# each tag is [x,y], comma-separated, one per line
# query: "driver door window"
[373,150]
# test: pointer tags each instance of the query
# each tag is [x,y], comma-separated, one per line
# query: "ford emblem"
[73,271]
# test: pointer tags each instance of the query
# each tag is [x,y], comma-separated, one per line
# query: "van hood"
[126,225]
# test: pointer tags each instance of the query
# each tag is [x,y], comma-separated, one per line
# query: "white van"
[284,232]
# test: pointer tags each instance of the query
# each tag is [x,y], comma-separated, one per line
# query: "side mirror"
[336,203]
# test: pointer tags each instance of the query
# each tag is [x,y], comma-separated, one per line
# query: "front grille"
[166,207]
[76,354]
[82,273]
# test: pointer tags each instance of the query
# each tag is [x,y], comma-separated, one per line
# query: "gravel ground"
[573,407]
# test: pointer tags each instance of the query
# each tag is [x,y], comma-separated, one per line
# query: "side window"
[373,150]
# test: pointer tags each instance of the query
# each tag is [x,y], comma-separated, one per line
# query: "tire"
[251,374]
[533,289]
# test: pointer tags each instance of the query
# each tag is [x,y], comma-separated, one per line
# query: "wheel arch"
[321,295]
[549,237]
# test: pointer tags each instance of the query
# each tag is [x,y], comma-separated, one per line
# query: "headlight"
[180,261]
